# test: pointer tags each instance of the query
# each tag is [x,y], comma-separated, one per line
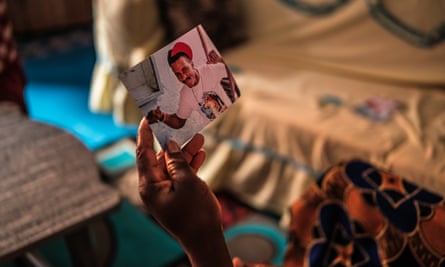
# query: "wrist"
[163,117]
[207,248]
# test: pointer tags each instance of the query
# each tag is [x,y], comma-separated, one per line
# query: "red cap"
[181,47]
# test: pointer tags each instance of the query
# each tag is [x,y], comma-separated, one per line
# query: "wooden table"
[49,188]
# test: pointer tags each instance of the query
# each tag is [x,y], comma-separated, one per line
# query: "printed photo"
[182,87]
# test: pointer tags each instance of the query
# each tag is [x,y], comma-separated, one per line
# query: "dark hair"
[171,59]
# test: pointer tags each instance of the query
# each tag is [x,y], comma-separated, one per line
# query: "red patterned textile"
[360,215]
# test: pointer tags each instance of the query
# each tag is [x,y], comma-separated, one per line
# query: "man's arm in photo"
[171,120]
[228,83]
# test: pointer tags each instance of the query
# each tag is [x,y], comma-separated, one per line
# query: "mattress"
[293,122]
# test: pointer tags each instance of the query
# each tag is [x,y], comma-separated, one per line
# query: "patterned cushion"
[361,215]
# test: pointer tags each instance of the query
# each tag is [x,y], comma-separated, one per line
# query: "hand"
[180,201]
[169,187]
[213,58]
[155,115]
[237,262]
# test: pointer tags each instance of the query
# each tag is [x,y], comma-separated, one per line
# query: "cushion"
[125,32]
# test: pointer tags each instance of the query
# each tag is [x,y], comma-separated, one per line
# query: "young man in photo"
[208,89]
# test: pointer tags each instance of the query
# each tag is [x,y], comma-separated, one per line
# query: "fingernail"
[172,147]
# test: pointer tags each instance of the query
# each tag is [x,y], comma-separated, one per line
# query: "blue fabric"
[404,210]
[66,106]
[57,93]
[337,233]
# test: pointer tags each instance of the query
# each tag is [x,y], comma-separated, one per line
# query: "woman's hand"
[180,201]
[237,262]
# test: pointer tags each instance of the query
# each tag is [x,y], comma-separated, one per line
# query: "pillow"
[12,77]
[222,20]
[125,32]
[409,22]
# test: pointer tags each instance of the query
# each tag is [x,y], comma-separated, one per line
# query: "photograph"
[182,87]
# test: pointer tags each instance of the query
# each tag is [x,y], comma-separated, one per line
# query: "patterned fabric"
[12,78]
[359,215]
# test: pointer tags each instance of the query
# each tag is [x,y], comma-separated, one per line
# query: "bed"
[321,88]
[320,81]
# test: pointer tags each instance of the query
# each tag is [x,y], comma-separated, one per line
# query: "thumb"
[177,166]
[237,262]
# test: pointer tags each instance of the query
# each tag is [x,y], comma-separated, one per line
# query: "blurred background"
[321,82]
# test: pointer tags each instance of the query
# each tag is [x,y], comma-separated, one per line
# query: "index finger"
[147,163]
[193,147]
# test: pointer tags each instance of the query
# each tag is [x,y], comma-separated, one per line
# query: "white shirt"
[208,98]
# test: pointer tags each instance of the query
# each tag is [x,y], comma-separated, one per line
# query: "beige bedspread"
[304,70]
[302,79]
[280,135]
